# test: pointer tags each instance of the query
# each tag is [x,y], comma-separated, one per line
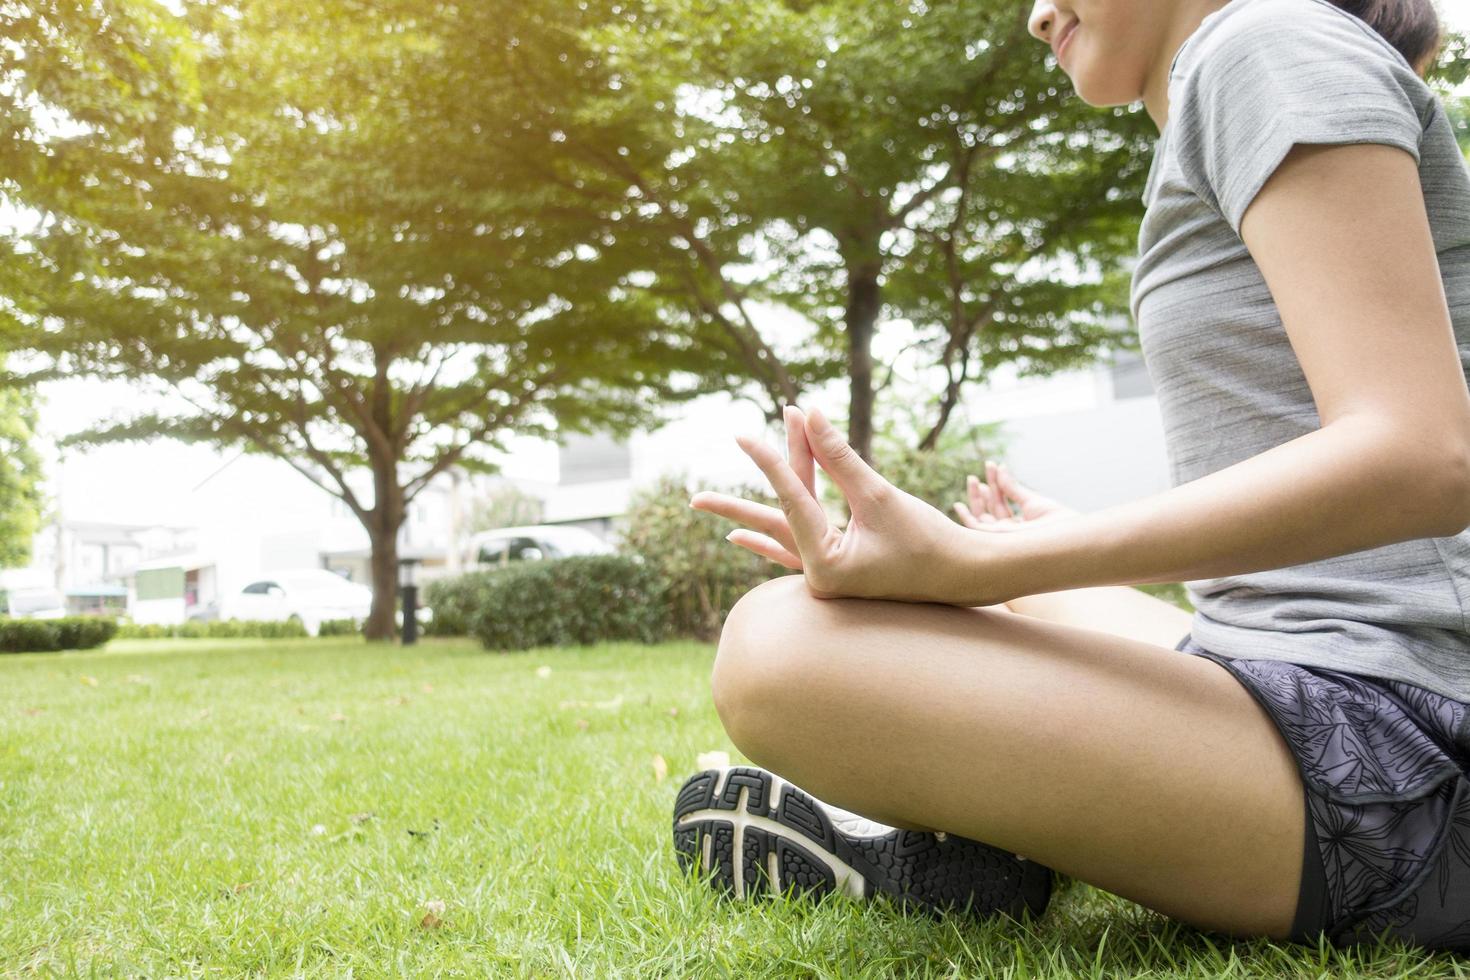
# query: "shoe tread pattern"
[918,869]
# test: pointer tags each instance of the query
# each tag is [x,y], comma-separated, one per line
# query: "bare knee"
[759,660]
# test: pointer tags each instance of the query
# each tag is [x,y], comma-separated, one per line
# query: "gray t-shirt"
[1256,77]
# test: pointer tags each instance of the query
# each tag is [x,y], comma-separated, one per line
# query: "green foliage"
[454,599]
[214,628]
[25,635]
[578,600]
[704,574]
[506,505]
[361,266]
[21,498]
[864,164]
[339,627]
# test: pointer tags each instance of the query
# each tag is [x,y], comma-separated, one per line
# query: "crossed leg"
[1144,771]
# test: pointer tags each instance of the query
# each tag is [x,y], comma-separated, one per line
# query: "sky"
[151,483]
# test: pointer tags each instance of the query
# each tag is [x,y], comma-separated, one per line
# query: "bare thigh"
[1144,771]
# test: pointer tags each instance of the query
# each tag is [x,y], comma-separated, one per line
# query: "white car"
[534,542]
[33,603]
[310,595]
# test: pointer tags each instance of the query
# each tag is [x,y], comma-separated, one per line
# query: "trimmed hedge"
[454,598]
[214,628]
[338,627]
[573,601]
[24,635]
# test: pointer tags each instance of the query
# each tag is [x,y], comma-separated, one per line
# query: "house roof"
[188,562]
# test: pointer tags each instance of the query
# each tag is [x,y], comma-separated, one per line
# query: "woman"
[1296,762]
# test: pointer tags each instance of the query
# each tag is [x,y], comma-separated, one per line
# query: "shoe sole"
[751,832]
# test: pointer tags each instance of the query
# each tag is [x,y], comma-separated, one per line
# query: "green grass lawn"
[262,807]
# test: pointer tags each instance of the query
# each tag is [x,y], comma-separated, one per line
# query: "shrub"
[571,601]
[23,635]
[338,627]
[703,573]
[214,629]
[453,599]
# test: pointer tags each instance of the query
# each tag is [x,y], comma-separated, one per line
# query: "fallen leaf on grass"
[660,768]
[33,711]
[673,712]
[433,915]
[89,681]
[361,817]
[338,716]
[427,688]
[543,671]
[398,699]
[203,713]
[712,760]
[242,886]
[582,724]
[229,758]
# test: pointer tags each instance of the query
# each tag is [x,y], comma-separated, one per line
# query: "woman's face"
[1109,46]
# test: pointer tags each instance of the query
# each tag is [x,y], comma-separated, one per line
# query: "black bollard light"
[410,593]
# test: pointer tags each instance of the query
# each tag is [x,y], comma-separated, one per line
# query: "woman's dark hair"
[1411,26]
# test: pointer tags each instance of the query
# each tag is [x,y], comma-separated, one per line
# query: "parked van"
[531,542]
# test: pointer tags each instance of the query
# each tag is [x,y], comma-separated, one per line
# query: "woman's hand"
[896,546]
[989,508]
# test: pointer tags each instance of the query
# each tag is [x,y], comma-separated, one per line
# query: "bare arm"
[1341,236]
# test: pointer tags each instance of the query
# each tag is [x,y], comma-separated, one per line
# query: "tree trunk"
[383,523]
[863,305]
[380,622]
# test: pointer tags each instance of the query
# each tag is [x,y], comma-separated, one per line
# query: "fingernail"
[818,420]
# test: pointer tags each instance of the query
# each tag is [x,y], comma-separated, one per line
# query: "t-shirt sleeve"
[1277,73]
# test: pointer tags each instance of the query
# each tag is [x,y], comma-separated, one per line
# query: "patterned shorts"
[1386,767]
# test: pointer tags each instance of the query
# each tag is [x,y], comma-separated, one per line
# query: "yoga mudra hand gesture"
[896,546]
[989,508]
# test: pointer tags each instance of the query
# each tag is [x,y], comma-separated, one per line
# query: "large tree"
[867,164]
[862,163]
[281,211]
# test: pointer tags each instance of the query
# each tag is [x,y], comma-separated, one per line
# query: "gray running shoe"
[752,831]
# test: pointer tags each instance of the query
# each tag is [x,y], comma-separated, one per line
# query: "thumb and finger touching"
[854,477]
